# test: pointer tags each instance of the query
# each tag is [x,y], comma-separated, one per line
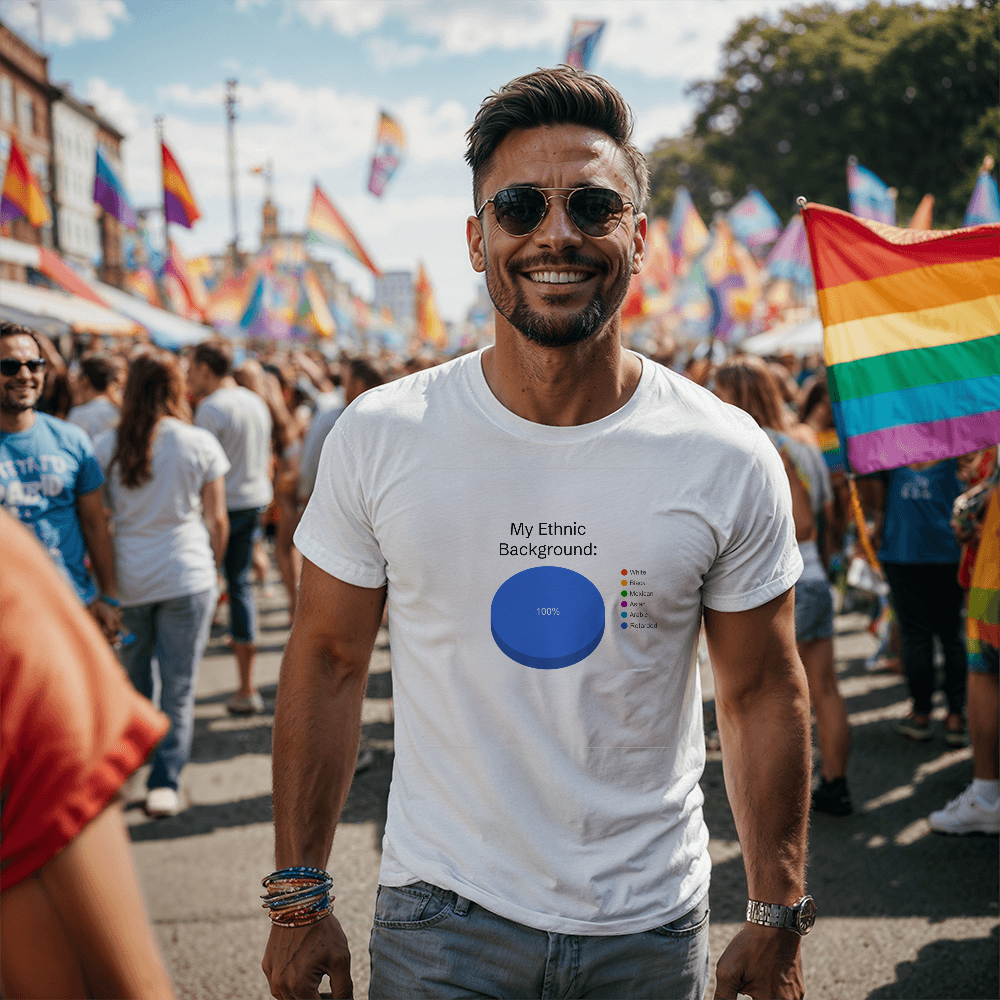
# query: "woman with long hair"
[746,382]
[166,490]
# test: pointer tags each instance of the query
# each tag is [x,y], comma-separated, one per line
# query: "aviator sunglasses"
[11,366]
[519,210]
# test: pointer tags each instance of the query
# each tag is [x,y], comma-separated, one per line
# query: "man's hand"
[296,959]
[107,617]
[763,962]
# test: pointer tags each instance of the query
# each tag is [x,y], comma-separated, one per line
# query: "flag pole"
[158,121]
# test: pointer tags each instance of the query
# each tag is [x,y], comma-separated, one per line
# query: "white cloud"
[656,122]
[389,54]
[66,21]
[349,17]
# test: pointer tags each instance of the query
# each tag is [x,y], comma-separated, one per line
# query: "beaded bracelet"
[298,896]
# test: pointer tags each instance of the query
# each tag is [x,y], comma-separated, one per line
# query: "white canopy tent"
[798,338]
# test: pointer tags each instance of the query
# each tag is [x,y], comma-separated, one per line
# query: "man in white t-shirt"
[551,519]
[241,421]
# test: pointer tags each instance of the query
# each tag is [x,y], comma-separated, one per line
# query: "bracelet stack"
[297,897]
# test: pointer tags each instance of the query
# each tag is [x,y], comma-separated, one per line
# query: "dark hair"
[16,330]
[363,369]
[560,96]
[102,369]
[749,381]
[154,389]
[819,392]
[217,354]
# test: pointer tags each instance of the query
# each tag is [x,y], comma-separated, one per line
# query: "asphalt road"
[904,912]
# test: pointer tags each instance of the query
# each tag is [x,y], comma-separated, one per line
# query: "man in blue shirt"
[50,479]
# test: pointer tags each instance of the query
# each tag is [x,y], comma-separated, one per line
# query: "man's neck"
[16,421]
[561,386]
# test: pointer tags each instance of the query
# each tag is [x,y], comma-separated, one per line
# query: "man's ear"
[477,243]
[639,244]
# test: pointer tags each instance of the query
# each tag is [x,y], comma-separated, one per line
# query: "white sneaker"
[966,814]
[162,802]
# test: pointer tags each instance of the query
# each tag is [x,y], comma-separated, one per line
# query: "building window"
[6,99]
[26,114]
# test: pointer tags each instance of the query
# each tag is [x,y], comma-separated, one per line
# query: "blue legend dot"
[547,617]
[624,624]
[624,614]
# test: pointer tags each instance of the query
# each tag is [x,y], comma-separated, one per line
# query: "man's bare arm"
[317,730]
[97,538]
[762,705]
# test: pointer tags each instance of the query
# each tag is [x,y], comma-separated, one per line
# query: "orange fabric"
[72,727]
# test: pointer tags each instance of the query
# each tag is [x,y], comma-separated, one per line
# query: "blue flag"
[869,196]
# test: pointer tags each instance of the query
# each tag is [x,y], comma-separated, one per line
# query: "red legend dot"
[624,572]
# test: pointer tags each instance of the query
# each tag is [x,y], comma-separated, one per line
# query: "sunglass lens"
[519,210]
[596,211]
[11,366]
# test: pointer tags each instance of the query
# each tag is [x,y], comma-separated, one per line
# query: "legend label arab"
[547,617]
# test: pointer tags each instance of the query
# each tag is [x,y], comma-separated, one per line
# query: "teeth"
[557,277]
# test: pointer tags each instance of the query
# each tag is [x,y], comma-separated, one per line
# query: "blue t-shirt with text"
[42,472]
[917,526]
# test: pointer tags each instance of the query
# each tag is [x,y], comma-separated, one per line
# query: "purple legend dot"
[624,604]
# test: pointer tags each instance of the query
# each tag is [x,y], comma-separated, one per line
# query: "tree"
[911,91]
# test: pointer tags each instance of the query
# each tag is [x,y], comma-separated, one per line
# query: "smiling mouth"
[556,277]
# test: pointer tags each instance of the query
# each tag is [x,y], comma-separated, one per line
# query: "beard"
[9,403]
[548,331]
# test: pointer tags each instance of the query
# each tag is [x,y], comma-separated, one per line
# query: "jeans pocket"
[687,925]
[412,906]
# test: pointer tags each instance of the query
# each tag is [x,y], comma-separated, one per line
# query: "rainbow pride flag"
[178,202]
[829,445]
[21,192]
[912,332]
[109,193]
[390,148]
[325,224]
[582,44]
[688,233]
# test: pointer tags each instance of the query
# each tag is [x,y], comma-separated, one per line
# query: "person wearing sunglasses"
[550,520]
[50,479]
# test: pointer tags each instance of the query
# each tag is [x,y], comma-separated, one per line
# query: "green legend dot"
[624,593]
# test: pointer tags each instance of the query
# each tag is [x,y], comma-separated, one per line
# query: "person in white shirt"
[550,519]
[241,421]
[165,485]
[97,391]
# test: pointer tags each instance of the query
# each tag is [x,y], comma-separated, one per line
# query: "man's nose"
[557,229]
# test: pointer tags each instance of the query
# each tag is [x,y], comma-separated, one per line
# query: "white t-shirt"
[162,546]
[241,421]
[547,756]
[95,416]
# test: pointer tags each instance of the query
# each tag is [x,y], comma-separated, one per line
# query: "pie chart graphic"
[547,617]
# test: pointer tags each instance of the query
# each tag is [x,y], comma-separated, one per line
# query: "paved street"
[904,913]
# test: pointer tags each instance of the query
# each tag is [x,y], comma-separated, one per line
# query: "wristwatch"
[798,917]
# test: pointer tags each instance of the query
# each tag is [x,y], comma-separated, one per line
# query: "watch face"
[806,911]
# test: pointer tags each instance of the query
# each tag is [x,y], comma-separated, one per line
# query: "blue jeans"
[430,943]
[238,567]
[175,633]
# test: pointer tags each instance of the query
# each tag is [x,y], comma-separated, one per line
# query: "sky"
[313,76]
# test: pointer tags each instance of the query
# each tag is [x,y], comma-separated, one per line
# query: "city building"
[395,290]
[25,96]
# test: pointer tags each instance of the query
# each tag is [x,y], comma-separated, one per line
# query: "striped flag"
[984,205]
[688,234]
[912,332]
[326,225]
[178,202]
[109,193]
[789,257]
[754,221]
[390,148]
[870,198]
[582,45]
[21,192]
